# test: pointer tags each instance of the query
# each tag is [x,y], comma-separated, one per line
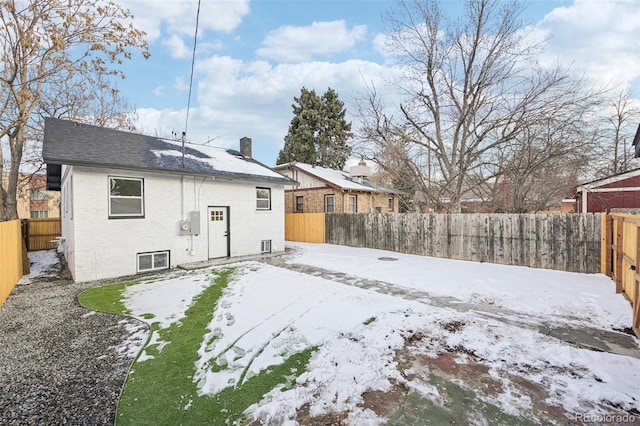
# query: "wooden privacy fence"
[41,233]
[621,259]
[304,227]
[568,242]
[11,257]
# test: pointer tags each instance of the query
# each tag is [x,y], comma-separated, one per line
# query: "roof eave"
[218,174]
[326,182]
[609,180]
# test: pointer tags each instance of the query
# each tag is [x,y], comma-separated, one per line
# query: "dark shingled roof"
[71,143]
[636,142]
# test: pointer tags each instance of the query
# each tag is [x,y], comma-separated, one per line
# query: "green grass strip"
[161,390]
[107,298]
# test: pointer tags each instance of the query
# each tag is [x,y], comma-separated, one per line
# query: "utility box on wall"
[185,227]
[194,216]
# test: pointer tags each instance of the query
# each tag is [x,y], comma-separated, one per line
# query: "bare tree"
[471,87]
[619,127]
[43,44]
[94,101]
[385,143]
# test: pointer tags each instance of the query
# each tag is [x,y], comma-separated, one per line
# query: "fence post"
[606,244]
[24,233]
[635,325]
[619,245]
[24,228]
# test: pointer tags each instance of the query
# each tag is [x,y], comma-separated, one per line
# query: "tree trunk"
[16,142]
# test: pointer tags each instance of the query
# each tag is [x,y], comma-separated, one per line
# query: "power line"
[193,61]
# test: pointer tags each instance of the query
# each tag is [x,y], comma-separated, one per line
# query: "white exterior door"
[218,220]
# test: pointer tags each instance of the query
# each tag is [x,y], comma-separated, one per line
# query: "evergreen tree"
[299,143]
[318,132]
[332,148]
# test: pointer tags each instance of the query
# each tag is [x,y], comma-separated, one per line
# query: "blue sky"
[253,57]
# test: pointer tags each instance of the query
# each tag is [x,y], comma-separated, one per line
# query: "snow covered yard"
[388,337]
[42,264]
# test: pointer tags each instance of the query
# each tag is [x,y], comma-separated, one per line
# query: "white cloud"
[180,84]
[380,43]
[179,17]
[158,90]
[238,98]
[599,38]
[210,46]
[177,47]
[320,39]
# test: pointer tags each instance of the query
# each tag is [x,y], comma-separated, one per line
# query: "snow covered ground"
[42,263]
[540,293]
[272,310]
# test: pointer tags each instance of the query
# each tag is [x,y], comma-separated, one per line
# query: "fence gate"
[621,242]
[41,233]
[304,227]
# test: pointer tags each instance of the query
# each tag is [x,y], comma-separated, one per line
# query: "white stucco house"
[132,203]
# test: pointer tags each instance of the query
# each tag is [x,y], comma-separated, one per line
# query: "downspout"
[584,200]
[182,197]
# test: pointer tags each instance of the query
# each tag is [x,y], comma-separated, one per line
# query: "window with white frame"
[153,261]
[126,197]
[265,246]
[39,214]
[300,204]
[329,204]
[391,204]
[263,198]
[38,194]
[353,204]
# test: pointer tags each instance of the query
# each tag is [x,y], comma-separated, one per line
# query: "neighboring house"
[34,201]
[568,205]
[335,191]
[133,203]
[621,191]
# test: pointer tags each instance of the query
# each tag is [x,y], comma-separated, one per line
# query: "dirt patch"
[453,326]
[329,419]
[384,404]
[462,379]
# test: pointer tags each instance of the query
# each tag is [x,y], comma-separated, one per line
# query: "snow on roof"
[72,143]
[220,159]
[338,178]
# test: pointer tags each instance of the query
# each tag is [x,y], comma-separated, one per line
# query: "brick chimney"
[245,147]
[360,172]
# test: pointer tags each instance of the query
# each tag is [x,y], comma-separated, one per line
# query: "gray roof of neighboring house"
[338,179]
[72,143]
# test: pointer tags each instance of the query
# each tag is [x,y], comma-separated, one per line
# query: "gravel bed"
[59,362]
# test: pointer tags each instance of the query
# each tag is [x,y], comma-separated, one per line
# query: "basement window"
[265,246]
[153,261]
